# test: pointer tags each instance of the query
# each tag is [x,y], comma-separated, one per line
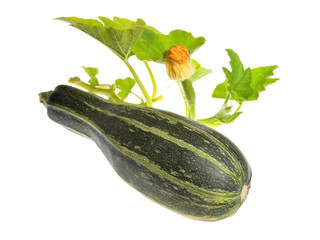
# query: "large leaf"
[119,34]
[185,39]
[153,45]
[121,23]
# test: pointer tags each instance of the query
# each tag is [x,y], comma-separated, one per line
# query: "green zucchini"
[173,160]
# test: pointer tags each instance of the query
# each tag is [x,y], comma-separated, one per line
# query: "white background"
[55,184]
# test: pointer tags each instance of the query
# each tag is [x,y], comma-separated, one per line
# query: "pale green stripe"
[177,141]
[222,147]
[203,193]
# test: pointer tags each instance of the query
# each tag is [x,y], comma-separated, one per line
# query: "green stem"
[237,110]
[106,92]
[140,98]
[227,99]
[154,84]
[143,89]
[189,97]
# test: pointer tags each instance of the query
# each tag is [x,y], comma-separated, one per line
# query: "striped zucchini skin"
[175,161]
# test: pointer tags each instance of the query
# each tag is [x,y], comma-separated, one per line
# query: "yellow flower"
[179,65]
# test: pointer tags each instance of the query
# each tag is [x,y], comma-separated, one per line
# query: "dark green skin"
[170,174]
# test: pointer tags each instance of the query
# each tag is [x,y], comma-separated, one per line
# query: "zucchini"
[175,161]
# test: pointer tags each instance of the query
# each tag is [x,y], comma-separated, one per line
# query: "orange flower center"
[178,54]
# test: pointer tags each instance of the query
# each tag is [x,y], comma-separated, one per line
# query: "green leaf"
[94,81]
[125,86]
[239,80]
[121,23]
[92,72]
[244,85]
[153,45]
[119,35]
[200,72]
[186,39]
[261,79]
[221,90]
[227,72]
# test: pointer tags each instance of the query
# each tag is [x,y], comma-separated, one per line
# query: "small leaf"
[93,81]
[125,86]
[119,34]
[92,72]
[227,118]
[222,117]
[200,72]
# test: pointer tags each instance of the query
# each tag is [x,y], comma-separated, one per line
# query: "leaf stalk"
[143,89]
[153,80]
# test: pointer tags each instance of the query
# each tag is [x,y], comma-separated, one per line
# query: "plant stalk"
[189,97]
[154,84]
[106,92]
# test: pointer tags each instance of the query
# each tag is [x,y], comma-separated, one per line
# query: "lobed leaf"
[243,85]
[119,35]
